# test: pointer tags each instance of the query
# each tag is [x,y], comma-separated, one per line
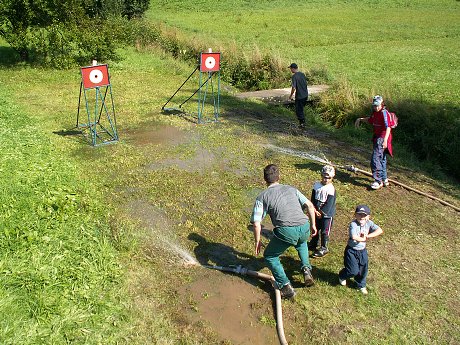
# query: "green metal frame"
[203,92]
[101,126]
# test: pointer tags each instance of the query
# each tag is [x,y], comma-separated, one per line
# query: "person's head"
[293,66]
[327,174]
[271,174]
[362,214]
[377,103]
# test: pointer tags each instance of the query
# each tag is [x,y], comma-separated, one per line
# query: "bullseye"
[210,62]
[95,76]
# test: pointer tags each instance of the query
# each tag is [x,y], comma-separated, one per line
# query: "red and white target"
[95,76]
[210,62]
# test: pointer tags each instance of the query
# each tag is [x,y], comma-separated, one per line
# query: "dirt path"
[279,95]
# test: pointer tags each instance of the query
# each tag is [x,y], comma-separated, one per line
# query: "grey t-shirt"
[283,204]
[357,230]
[299,83]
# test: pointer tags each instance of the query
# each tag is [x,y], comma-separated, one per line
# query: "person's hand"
[313,230]
[258,245]
[318,214]
[357,122]
[385,144]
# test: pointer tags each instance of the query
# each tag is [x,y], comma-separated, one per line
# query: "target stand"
[95,86]
[208,92]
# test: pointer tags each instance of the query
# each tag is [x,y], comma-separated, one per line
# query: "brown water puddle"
[235,309]
[155,133]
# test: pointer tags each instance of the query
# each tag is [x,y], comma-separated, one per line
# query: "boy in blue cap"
[355,258]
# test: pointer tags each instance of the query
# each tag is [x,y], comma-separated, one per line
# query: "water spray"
[354,170]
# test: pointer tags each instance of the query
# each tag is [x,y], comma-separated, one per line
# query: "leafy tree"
[64,32]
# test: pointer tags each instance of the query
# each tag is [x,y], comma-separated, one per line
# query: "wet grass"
[73,247]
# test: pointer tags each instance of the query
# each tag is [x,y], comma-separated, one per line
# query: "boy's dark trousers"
[324,226]
[356,264]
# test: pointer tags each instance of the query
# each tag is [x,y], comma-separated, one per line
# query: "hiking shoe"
[386,183]
[320,252]
[363,291]
[376,185]
[343,282]
[308,277]
[287,291]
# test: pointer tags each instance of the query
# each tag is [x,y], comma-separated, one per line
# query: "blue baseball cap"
[364,209]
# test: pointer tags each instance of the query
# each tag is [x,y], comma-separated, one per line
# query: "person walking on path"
[284,204]
[355,258]
[299,88]
[382,123]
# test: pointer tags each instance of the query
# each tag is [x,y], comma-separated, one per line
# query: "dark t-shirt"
[299,83]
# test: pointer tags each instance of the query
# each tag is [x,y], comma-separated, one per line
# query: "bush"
[68,32]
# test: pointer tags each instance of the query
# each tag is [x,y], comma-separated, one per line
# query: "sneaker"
[386,183]
[320,252]
[376,185]
[343,282]
[287,291]
[363,291]
[308,277]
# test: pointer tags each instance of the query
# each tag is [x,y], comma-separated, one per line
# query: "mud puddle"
[237,311]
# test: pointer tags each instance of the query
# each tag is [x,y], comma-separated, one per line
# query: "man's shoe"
[386,183]
[308,277]
[363,291]
[287,291]
[320,252]
[343,282]
[376,185]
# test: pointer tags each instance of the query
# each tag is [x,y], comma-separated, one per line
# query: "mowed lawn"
[402,49]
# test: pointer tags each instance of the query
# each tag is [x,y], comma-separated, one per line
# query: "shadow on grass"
[343,177]
[219,254]
[292,265]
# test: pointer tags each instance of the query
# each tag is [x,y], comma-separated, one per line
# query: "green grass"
[60,272]
[396,48]
[81,264]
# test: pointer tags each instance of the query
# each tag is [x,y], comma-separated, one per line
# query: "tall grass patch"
[60,275]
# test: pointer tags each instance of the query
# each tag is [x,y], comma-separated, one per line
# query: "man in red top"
[382,141]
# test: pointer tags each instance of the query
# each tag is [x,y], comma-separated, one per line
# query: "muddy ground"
[237,309]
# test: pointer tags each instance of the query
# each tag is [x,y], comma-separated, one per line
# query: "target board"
[95,76]
[210,62]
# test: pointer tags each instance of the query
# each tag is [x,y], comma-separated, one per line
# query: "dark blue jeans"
[299,109]
[379,161]
[356,264]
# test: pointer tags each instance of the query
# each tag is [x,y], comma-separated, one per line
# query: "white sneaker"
[376,185]
[363,291]
[386,183]
[343,282]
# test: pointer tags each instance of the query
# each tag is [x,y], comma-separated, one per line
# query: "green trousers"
[285,237]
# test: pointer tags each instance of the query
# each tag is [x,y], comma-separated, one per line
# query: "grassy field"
[91,237]
[397,48]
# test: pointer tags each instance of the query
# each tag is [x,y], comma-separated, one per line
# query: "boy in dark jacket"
[323,198]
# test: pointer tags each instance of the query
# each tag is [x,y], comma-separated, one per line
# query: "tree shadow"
[8,57]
